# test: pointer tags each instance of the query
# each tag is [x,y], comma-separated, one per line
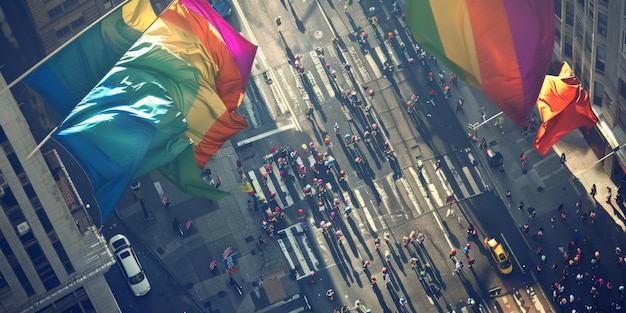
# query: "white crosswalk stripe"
[412,196]
[366,212]
[472,182]
[281,183]
[455,174]
[418,192]
[391,183]
[255,184]
[321,70]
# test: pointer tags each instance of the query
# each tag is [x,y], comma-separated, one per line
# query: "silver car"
[128,261]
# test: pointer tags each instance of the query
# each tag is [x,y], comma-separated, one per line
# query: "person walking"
[330,293]
[608,195]
[521,205]
[593,191]
[563,159]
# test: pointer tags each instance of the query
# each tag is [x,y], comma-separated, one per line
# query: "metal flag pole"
[476,126]
[45,139]
[610,154]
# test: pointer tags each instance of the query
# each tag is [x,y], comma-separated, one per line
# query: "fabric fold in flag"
[564,106]
[178,85]
[68,76]
[501,47]
[183,172]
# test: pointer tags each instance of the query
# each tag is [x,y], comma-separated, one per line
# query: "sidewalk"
[544,184]
[216,226]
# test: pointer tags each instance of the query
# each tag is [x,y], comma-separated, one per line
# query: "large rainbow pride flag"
[502,47]
[167,102]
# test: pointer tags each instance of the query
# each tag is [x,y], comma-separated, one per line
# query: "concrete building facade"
[51,258]
[591,37]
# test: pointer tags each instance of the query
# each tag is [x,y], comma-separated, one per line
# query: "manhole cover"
[249,239]
[539,189]
[160,250]
[318,34]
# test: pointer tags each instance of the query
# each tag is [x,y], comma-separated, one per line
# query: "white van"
[128,261]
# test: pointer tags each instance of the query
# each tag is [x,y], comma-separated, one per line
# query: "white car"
[128,261]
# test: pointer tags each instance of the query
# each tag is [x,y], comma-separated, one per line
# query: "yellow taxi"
[499,255]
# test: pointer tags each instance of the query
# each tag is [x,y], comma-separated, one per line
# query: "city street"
[408,168]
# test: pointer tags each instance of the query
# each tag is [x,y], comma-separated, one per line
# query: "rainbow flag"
[69,75]
[167,102]
[501,47]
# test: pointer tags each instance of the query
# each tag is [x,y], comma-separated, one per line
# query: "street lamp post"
[136,188]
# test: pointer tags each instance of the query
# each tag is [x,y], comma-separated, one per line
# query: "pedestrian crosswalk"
[388,199]
[417,192]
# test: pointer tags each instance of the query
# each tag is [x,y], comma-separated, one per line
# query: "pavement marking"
[457,177]
[316,88]
[432,189]
[470,178]
[270,186]
[265,134]
[321,70]
[373,65]
[384,198]
[444,181]
[283,187]
[358,63]
[283,248]
[412,196]
[511,253]
[394,190]
[425,195]
[296,249]
[368,217]
[256,185]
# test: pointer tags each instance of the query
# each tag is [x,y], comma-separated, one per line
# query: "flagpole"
[476,126]
[45,139]
[610,154]
[49,56]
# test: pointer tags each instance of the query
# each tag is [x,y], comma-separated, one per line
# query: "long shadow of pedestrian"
[336,253]
[355,230]
[288,51]
[381,299]
[395,167]
[374,155]
[299,24]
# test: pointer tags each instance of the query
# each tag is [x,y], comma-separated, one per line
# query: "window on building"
[567,47]
[598,92]
[604,3]
[600,59]
[557,36]
[590,10]
[74,26]
[622,88]
[56,11]
[582,4]
[558,7]
[62,8]
[602,22]
[569,14]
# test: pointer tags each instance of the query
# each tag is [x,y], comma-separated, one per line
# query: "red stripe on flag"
[227,252]
[213,265]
